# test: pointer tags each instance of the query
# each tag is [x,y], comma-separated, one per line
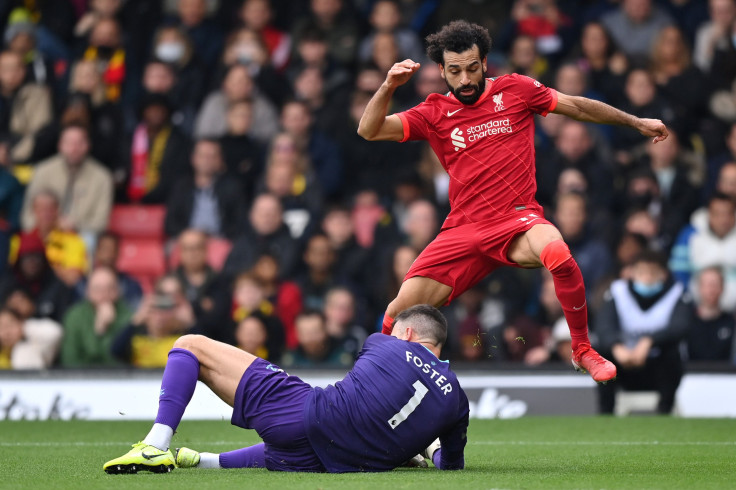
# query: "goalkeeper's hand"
[416,462]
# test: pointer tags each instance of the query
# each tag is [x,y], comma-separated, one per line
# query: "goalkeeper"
[398,398]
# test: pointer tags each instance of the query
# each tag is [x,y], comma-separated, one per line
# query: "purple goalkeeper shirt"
[396,400]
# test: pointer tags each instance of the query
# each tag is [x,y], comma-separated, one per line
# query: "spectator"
[98,9]
[590,253]
[31,273]
[253,334]
[386,283]
[372,164]
[285,295]
[208,201]
[106,255]
[641,100]
[709,241]
[86,186]
[237,86]
[173,48]
[339,311]
[11,201]
[65,249]
[25,108]
[91,325]
[163,317]
[641,324]
[264,232]
[677,172]
[320,274]
[385,17]
[27,344]
[715,163]
[258,15]
[711,337]
[574,148]
[158,153]
[340,29]
[206,37]
[105,121]
[312,51]
[246,47]
[682,85]
[727,180]
[21,37]
[249,299]
[107,52]
[604,65]
[200,282]
[525,59]
[722,71]
[635,25]
[715,33]
[316,348]
[243,155]
[289,178]
[160,78]
[351,259]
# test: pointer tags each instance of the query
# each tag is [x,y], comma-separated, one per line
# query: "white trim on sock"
[209,460]
[160,436]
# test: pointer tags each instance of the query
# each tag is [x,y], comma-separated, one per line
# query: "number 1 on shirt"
[419,391]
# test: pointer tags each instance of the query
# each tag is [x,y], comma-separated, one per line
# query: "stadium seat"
[217,252]
[138,221]
[142,258]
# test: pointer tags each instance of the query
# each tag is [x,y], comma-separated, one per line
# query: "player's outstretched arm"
[375,125]
[588,110]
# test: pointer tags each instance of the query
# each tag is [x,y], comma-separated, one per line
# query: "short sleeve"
[416,122]
[540,99]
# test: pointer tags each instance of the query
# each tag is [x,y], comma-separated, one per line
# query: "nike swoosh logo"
[151,457]
[578,308]
[454,112]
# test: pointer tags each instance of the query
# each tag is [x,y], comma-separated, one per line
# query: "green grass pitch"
[535,452]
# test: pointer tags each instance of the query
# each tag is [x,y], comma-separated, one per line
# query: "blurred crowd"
[284,233]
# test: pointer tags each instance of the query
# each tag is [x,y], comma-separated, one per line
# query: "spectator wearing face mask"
[640,326]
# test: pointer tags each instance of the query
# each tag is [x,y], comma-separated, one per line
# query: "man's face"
[206,158]
[12,71]
[465,74]
[102,287]
[45,211]
[74,145]
[193,247]
[721,217]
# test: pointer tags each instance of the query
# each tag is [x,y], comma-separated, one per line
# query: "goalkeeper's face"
[465,74]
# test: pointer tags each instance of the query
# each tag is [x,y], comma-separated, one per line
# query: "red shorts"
[461,256]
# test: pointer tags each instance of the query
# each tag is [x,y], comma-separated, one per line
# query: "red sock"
[388,324]
[569,288]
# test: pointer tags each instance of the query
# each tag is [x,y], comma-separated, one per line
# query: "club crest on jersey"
[457,139]
[497,98]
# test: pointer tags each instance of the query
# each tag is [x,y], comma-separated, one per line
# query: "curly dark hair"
[458,36]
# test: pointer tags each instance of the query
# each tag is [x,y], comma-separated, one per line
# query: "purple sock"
[248,457]
[437,458]
[177,386]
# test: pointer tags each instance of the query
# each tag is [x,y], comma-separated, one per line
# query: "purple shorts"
[272,402]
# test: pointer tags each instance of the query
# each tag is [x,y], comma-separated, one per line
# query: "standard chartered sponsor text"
[490,128]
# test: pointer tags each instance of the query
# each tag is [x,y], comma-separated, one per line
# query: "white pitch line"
[472,443]
[602,443]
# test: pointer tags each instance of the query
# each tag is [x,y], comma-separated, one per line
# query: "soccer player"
[398,399]
[482,131]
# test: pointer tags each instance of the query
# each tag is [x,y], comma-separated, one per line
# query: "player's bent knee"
[554,254]
[190,342]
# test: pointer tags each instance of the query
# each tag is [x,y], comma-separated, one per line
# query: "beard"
[472,98]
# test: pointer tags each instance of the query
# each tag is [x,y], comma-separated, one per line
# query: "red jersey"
[487,148]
